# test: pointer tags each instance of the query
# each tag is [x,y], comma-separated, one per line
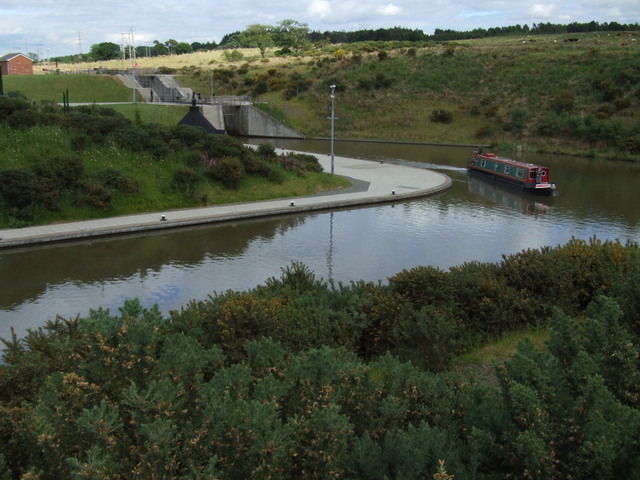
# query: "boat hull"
[524,177]
[539,189]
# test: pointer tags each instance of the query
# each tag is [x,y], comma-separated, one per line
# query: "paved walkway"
[372,183]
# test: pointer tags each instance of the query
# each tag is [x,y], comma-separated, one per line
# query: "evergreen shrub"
[275,382]
[441,116]
[228,170]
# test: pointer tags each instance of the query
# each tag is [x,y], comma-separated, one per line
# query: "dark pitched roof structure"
[195,118]
[9,56]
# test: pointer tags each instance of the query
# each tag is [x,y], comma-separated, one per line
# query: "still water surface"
[472,221]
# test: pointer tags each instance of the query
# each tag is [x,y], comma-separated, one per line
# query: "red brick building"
[16,64]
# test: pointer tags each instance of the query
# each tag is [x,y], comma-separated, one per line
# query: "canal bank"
[373,182]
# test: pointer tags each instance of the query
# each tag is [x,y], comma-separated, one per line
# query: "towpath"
[373,182]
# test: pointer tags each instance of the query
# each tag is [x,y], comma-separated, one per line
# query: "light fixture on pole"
[211,85]
[333,118]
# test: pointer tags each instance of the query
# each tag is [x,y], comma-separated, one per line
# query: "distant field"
[199,59]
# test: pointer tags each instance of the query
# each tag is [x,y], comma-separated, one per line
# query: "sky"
[52,28]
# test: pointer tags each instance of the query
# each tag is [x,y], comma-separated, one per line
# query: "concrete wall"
[246,120]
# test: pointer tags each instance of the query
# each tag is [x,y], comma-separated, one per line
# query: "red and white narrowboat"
[526,177]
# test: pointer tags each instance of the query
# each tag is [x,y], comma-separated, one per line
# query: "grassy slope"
[499,90]
[81,88]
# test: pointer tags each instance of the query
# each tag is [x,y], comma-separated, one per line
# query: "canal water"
[472,221]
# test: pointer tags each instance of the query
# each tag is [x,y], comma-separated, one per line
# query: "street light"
[333,118]
[211,85]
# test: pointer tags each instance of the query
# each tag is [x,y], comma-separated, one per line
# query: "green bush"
[17,186]
[118,182]
[23,118]
[423,286]
[185,180]
[300,163]
[64,171]
[95,194]
[441,116]
[228,170]
[272,381]
[266,151]
[10,105]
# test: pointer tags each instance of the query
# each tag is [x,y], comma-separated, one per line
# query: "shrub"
[185,180]
[115,180]
[483,131]
[266,151]
[9,105]
[26,118]
[229,171]
[218,146]
[80,141]
[519,116]
[441,116]
[563,102]
[95,194]
[300,163]
[423,285]
[17,186]
[63,171]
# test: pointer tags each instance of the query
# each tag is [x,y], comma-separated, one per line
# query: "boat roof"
[518,163]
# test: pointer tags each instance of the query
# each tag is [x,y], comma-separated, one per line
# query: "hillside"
[547,93]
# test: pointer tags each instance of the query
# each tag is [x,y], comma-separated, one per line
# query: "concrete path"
[373,182]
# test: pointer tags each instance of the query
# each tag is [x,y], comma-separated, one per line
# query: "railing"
[231,100]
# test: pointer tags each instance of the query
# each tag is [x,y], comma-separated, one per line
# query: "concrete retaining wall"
[246,120]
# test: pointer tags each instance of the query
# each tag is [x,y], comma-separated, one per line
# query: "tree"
[171,45]
[293,35]
[104,51]
[183,47]
[159,48]
[259,36]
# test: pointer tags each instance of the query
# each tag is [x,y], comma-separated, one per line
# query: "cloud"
[541,11]
[319,9]
[55,25]
[389,10]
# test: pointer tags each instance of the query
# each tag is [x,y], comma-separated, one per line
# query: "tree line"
[293,36]
[303,378]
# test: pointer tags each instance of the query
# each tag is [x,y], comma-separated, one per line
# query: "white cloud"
[541,11]
[319,9]
[55,24]
[389,10]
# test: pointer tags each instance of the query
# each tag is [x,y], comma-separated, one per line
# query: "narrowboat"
[526,177]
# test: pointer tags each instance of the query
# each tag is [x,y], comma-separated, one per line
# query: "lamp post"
[333,118]
[212,85]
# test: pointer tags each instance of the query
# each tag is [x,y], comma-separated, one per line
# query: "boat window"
[495,166]
[507,169]
[520,173]
[483,162]
[532,174]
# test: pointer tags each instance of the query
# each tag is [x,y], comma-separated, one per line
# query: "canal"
[472,221]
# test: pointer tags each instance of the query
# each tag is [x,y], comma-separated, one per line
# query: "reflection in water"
[527,204]
[469,222]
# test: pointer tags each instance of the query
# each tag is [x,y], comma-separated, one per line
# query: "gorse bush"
[441,116]
[228,170]
[300,378]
